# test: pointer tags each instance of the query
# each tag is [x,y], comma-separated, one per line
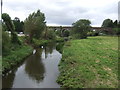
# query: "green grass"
[15,57]
[90,63]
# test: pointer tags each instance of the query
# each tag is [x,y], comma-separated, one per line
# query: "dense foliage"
[80,28]
[10,26]
[51,34]
[107,23]
[66,33]
[115,25]
[18,25]
[6,44]
[35,25]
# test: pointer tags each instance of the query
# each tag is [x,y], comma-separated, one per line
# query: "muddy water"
[40,70]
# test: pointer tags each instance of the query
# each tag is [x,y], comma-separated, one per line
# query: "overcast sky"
[64,12]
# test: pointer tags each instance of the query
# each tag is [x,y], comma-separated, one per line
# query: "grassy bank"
[15,57]
[37,43]
[90,63]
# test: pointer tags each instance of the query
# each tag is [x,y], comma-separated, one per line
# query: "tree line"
[34,27]
[115,25]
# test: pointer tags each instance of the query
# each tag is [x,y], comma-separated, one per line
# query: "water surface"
[39,70]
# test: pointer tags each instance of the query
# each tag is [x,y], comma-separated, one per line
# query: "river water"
[40,70]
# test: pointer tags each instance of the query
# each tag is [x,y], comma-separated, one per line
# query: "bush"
[58,33]
[59,39]
[37,42]
[80,29]
[66,33]
[51,34]
[5,43]
[91,33]
[116,31]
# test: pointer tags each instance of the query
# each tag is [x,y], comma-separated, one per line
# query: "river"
[40,70]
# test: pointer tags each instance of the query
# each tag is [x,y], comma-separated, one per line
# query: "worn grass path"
[90,63]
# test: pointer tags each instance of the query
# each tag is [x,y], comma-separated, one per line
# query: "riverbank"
[90,63]
[15,57]
[38,43]
[18,55]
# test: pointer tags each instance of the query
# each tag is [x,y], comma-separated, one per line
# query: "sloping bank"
[90,63]
[15,57]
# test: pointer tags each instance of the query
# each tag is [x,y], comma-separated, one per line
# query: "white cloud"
[64,12]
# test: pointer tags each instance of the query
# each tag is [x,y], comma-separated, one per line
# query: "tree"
[58,33]
[81,28]
[115,24]
[116,28]
[35,25]
[107,23]
[18,24]
[119,24]
[51,34]
[66,33]
[10,26]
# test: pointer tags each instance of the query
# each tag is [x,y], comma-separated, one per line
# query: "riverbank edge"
[38,43]
[27,49]
[18,56]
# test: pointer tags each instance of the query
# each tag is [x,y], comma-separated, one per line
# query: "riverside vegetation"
[87,62]
[16,48]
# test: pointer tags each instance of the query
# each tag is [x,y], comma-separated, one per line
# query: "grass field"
[90,63]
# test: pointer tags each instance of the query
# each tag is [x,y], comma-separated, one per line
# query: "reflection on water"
[8,80]
[40,70]
[34,66]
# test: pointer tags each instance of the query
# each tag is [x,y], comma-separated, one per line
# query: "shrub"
[66,33]
[51,34]
[58,33]
[81,28]
[116,31]
[5,43]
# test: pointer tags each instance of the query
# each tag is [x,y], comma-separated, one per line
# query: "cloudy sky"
[64,12]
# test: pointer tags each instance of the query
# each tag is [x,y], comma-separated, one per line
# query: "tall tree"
[115,24]
[119,24]
[35,25]
[107,23]
[18,25]
[80,28]
[10,26]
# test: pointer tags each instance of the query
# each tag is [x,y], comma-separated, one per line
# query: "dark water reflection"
[34,66]
[40,70]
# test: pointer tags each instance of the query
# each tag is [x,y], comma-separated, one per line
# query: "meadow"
[90,63]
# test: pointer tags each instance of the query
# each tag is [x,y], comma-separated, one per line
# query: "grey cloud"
[63,12]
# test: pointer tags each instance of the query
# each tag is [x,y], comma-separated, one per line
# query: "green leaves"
[35,24]
[80,28]
[10,26]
